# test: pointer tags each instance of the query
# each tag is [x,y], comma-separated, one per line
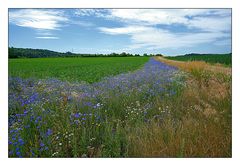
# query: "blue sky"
[166,31]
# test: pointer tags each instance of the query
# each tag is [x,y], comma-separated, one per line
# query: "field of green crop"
[225,59]
[74,69]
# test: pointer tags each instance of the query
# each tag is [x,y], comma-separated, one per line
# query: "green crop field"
[225,59]
[74,69]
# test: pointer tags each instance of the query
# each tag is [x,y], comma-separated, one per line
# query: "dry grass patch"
[199,123]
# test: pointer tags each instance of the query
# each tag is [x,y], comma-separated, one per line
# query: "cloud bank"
[146,26]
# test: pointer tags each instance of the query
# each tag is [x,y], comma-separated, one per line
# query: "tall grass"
[200,121]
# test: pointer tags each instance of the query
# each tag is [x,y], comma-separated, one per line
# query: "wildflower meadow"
[138,113]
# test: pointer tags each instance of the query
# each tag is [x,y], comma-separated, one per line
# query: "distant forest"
[210,58]
[43,53]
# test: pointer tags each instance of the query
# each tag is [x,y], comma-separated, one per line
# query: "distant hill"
[43,53]
[31,53]
[225,59]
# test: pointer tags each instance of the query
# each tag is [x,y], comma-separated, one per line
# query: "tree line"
[43,53]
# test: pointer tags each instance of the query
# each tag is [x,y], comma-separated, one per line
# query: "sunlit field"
[118,107]
[74,69]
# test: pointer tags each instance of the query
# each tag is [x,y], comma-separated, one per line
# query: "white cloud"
[147,16]
[43,21]
[124,30]
[84,12]
[201,26]
[82,23]
[43,32]
[154,38]
[46,21]
[204,19]
[47,37]
[90,12]
[38,18]
[211,23]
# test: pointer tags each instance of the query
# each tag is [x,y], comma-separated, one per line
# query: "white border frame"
[4,5]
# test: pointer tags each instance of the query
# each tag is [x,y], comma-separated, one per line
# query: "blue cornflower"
[19,115]
[23,103]
[88,103]
[77,115]
[39,118]
[49,132]
[10,152]
[20,141]
[18,153]
[25,112]
[42,144]
[12,131]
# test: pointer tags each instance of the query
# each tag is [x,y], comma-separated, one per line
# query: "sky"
[138,31]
